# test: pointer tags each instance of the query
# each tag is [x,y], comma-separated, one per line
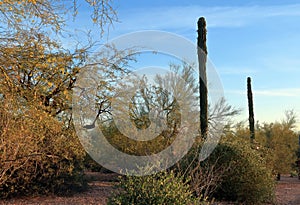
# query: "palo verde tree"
[154,104]
[27,14]
[34,64]
[39,150]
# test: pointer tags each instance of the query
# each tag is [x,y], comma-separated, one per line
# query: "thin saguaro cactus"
[250,108]
[203,91]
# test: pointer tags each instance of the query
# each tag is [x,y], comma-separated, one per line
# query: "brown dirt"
[101,187]
[288,191]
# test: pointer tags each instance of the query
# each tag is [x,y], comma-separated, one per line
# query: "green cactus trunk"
[203,91]
[250,108]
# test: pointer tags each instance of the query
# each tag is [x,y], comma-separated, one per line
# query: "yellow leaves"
[48,71]
[18,20]
[65,92]
[32,1]
[49,84]
[42,56]
[49,60]
[62,70]
[40,65]
[31,54]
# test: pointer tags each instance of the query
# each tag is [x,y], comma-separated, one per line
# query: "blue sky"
[260,39]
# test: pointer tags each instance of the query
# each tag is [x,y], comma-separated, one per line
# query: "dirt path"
[288,191]
[101,187]
[97,194]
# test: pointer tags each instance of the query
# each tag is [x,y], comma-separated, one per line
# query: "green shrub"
[162,188]
[235,171]
[247,178]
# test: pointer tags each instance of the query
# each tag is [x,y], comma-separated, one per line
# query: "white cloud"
[282,63]
[185,17]
[236,71]
[286,92]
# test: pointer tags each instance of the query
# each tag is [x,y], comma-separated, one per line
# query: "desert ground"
[102,185]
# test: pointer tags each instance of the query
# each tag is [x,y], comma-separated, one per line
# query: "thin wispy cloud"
[286,92]
[184,17]
[282,63]
[236,71]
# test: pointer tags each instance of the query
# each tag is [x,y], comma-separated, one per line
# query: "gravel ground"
[288,191]
[101,187]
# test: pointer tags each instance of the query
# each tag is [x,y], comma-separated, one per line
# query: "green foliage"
[162,188]
[283,142]
[205,177]
[157,103]
[277,142]
[247,179]
[233,172]
[38,154]
[130,146]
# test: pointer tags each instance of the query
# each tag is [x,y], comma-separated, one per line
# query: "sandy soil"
[101,186]
[288,191]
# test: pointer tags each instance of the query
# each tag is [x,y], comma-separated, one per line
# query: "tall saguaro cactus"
[250,108]
[203,91]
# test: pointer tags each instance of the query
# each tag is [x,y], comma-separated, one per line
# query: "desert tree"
[38,151]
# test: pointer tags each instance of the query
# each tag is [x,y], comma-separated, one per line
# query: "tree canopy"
[39,151]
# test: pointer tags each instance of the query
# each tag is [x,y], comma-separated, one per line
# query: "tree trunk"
[250,108]
[202,58]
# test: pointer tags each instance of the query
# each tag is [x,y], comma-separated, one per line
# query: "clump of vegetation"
[248,178]
[233,172]
[277,142]
[162,188]
[37,154]
[282,141]
[39,151]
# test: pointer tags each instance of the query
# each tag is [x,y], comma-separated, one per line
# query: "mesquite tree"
[202,58]
[250,108]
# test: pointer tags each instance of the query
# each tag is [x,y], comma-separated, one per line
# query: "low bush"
[38,154]
[247,179]
[162,188]
[235,171]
